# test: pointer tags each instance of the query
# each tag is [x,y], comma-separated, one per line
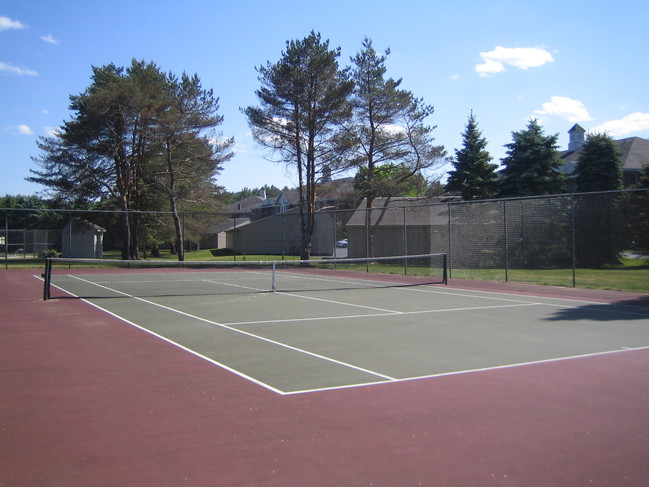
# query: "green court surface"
[297,342]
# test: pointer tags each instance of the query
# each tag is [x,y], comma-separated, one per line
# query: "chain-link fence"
[492,239]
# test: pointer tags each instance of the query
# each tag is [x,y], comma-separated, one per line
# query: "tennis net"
[103,278]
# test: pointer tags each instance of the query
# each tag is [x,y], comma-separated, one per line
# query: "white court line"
[461,294]
[469,371]
[603,307]
[553,298]
[267,340]
[242,332]
[376,315]
[171,342]
[186,349]
[331,301]
[234,285]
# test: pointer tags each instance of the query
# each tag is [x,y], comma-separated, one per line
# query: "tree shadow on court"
[623,310]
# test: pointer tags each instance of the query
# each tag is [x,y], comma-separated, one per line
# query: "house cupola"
[576,134]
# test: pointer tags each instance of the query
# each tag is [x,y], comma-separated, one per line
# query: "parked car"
[342,243]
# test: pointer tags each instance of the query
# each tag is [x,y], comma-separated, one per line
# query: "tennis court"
[364,379]
[325,330]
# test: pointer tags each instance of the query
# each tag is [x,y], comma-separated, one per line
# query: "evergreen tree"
[272,191]
[192,157]
[638,222]
[136,134]
[532,165]
[598,169]
[99,151]
[474,176]
[387,129]
[644,177]
[303,99]
[599,165]
[38,215]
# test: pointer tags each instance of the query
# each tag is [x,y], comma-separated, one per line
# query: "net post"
[274,287]
[445,269]
[47,278]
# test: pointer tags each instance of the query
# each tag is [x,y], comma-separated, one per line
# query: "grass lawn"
[629,275]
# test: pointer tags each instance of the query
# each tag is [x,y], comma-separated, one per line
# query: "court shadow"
[624,310]
[642,301]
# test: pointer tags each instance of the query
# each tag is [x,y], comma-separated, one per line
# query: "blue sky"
[562,62]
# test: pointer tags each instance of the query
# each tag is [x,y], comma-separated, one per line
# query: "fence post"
[334,228]
[506,241]
[7,239]
[69,234]
[367,237]
[449,252]
[445,269]
[574,240]
[283,239]
[234,239]
[405,242]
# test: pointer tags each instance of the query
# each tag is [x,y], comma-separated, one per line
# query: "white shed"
[82,239]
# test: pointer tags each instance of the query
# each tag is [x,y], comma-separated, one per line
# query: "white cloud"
[393,129]
[10,68]
[634,122]
[489,67]
[518,57]
[6,24]
[50,40]
[52,131]
[566,108]
[20,129]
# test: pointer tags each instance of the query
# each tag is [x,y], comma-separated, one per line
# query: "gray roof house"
[287,199]
[634,152]
[215,235]
[244,208]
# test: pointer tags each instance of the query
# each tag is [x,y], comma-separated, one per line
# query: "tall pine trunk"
[126,229]
[180,247]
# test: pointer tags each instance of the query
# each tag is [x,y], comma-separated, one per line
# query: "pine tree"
[390,142]
[303,99]
[474,176]
[135,134]
[191,155]
[532,165]
[599,165]
[637,225]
